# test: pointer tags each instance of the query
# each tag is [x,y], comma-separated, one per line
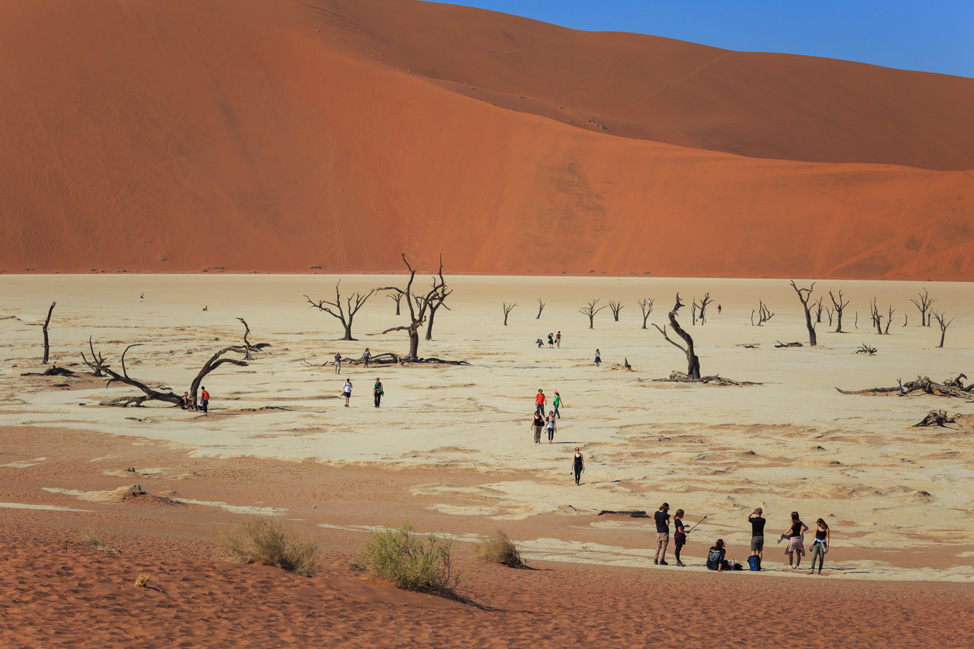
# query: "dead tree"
[878,319]
[97,362]
[646,306]
[839,305]
[829,312]
[397,298]
[353,303]
[818,311]
[540,308]
[590,310]
[437,302]
[764,314]
[701,308]
[804,294]
[616,307]
[693,363]
[47,343]
[507,309]
[889,320]
[944,323]
[936,418]
[248,348]
[923,302]
[866,349]
[418,306]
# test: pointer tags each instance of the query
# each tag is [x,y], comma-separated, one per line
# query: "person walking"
[347,391]
[556,403]
[796,540]
[377,392]
[204,401]
[578,465]
[662,518]
[539,402]
[551,340]
[679,536]
[141,296]
[598,358]
[366,355]
[550,425]
[820,546]
[537,425]
[338,362]
[757,533]
[558,340]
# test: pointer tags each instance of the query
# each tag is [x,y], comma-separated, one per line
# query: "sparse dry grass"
[271,543]
[142,581]
[92,539]
[500,549]
[411,561]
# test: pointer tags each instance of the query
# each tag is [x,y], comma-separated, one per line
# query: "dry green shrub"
[500,549]
[271,543]
[411,561]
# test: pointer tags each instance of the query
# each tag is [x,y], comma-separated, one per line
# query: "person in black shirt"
[715,557]
[662,534]
[757,532]
[823,536]
[679,536]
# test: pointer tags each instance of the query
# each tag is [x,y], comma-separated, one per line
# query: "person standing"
[537,425]
[558,340]
[796,540]
[662,534]
[551,340]
[557,403]
[204,400]
[757,533]
[338,362]
[679,536]
[598,358]
[141,296]
[820,546]
[578,465]
[550,425]
[539,402]
[377,392]
[366,355]
[347,391]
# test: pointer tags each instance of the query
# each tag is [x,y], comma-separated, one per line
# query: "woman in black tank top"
[820,545]
[796,542]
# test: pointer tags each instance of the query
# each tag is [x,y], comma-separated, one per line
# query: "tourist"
[204,400]
[377,392]
[796,541]
[598,358]
[578,465]
[558,340]
[338,362]
[715,557]
[141,296]
[757,533]
[539,402]
[679,536]
[662,534]
[540,343]
[550,425]
[820,546]
[366,355]
[537,425]
[184,401]
[557,403]
[551,340]
[347,391]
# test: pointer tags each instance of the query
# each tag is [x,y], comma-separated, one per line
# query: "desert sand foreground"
[451,448]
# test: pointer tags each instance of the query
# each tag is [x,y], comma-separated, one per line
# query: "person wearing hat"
[377,392]
[662,534]
[757,532]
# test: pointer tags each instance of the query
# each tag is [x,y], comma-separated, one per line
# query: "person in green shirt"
[377,392]
[557,403]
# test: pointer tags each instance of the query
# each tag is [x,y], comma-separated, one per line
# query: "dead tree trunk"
[701,309]
[540,308]
[590,310]
[435,304]
[397,298]
[47,342]
[335,309]
[889,320]
[818,311]
[418,305]
[615,307]
[97,363]
[693,363]
[944,323]
[764,314]
[804,294]
[829,312]
[646,306]
[839,305]
[507,309]
[923,303]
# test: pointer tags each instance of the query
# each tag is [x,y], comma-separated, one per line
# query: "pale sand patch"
[46,508]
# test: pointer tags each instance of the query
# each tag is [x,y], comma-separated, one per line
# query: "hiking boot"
[655,562]
[681,564]
[663,563]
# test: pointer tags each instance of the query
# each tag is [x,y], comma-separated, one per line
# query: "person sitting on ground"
[715,557]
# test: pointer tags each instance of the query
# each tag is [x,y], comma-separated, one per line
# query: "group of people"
[716,556]
[554,340]
[545,422]
[204,403]
[377,392]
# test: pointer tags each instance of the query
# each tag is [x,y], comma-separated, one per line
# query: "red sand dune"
[279,135]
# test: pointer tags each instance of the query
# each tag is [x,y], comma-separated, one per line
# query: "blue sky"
[928,35]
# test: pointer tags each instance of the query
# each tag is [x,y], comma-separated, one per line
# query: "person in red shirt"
[539,401]
[204,400]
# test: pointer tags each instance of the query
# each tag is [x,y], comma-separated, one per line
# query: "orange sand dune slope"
[260,135]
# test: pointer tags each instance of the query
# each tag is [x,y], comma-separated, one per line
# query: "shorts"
[757,543]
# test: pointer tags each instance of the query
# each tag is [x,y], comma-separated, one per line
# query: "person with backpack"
[757,535]
[550,425]
[204,401]
[537,425]
[679,536]
[820,546]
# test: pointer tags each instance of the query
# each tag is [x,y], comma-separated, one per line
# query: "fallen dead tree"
[923,385]
[780,344]
[866,349]
[936,418]
[54,370]
[388,358]
[680,377]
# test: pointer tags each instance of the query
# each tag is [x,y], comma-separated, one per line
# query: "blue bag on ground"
[754,563]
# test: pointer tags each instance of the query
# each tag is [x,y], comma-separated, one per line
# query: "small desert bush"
[411,561]
[270,543]
[92,539]
[142,581]
[500,549]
